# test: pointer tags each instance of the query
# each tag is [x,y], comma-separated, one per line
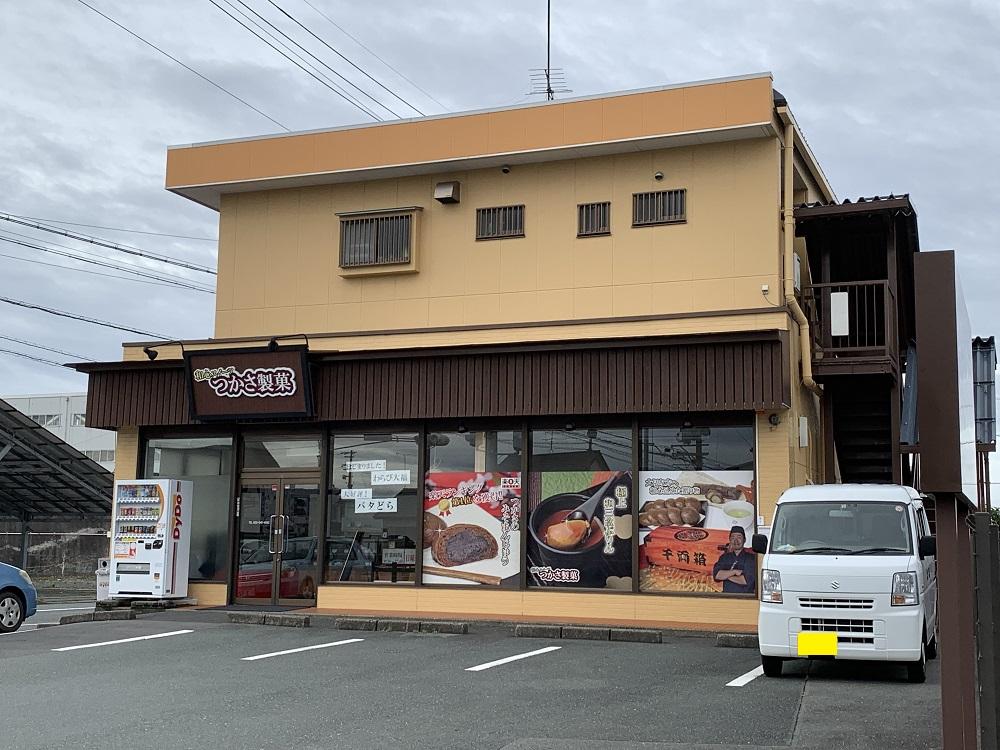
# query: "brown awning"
[705,373]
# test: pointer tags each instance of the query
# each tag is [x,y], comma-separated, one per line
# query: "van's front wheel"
[916,671]
[772,665]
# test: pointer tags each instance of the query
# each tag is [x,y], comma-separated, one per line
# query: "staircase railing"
[871,329]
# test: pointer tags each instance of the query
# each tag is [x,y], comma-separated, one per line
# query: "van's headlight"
[904,589]
[25,576]
[770,587]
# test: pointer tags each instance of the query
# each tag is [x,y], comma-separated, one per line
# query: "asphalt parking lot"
[188,679]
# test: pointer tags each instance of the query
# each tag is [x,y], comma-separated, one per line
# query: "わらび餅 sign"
[249,383]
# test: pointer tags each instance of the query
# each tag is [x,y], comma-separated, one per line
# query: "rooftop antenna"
[548,80]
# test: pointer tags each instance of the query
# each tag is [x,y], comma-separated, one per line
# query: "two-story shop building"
[436,339]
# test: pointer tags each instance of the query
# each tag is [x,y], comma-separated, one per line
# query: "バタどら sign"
[249,383]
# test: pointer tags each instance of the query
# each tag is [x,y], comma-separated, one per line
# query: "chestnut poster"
[694,532]
[564,550]
[472,528]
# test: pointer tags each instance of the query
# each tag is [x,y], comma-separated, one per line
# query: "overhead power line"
[46,348]
[270,24]
[346,59]
[181,284]
[84,318]
[82,270]
[118,229]
[31,357]
[183,65]
[272,32]
[128,249]
[374,54]
[329,85]
[124,265]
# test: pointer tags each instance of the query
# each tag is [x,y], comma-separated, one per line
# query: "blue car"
[18,599]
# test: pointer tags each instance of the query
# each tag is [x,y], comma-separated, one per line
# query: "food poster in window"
[694,532]
[472,528]
[567,550]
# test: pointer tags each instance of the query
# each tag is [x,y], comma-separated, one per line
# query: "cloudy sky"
[893,97]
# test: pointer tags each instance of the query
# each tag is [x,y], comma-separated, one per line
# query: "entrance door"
[277,542]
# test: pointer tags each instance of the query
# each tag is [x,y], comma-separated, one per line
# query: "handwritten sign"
[356,493]
[375,505]
[356,466]
[394,476]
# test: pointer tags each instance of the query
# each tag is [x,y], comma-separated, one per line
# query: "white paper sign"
[356,466]
[395,476]
[375,505]
[399,556]
[356,493]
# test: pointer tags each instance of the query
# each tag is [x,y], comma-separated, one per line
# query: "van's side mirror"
[759,543]
[927,546]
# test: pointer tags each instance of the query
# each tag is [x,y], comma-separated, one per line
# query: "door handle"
[270,540]
[284,534]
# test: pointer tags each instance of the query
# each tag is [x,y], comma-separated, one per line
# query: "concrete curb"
[585,633]
[463,627]
[103,616]
[268,618]
[736,640]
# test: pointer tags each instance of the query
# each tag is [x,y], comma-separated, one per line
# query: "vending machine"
[150,538]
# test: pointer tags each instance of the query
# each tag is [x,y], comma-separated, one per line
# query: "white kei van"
[848,573]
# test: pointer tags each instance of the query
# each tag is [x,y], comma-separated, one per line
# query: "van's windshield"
[835,528]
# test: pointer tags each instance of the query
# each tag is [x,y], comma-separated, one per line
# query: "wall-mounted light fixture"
[152,353]
[505,169]
[774,420]
[658,176]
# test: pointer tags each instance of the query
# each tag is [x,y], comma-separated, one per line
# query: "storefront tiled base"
[694,613]
[208,594]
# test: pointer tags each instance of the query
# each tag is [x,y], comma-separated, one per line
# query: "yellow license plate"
[817,644]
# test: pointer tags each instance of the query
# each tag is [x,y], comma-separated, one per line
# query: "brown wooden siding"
[700,376]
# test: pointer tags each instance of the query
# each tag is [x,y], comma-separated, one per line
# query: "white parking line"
[507,660]
[747,678]
[123,640]
[304,648]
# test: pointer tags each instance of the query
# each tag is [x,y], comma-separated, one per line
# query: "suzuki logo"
[834,584]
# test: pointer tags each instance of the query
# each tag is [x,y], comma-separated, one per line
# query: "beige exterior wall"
[126,453]
[278,250]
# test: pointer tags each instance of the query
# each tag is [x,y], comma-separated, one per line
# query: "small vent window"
[593,219]
[497,223]
[375,240]
[662,207]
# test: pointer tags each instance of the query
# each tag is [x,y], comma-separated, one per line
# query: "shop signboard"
[564,551]
[249,383]
[694,532]
[472,529]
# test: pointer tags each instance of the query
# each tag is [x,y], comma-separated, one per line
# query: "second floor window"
[375,240]
[593,219]
[79,420]
[47,420]
[498,223]
[661,207]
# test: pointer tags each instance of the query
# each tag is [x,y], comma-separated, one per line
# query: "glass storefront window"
[372,516]
[586,470]
[207,462]
[697,510]
[264,452]
[472,508]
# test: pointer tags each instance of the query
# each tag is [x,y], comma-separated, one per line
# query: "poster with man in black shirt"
[736,568]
